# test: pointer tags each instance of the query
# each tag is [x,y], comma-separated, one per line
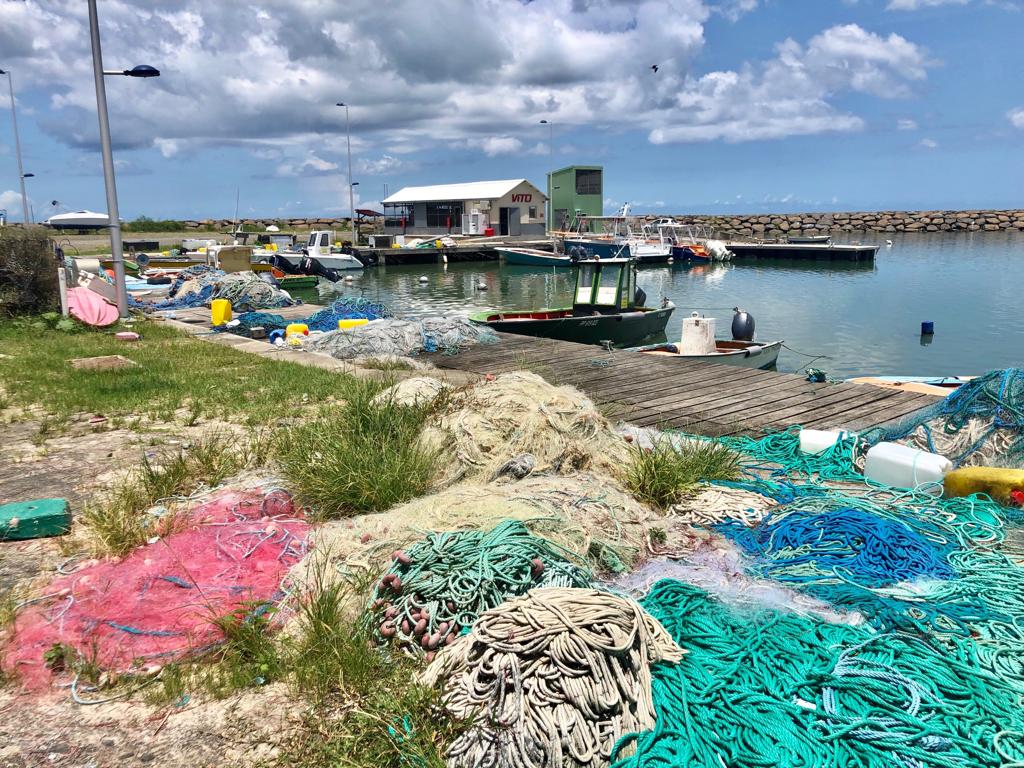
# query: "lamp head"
[142,70]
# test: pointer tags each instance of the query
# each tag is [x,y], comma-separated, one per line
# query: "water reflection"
[866,317]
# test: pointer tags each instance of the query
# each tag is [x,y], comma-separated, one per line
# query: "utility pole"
[26,218]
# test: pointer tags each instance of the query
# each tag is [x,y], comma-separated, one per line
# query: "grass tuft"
[116,523]
[663,474]
[362,456]
[366,710]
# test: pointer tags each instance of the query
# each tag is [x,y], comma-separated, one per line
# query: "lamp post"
[551,163]
[143,70]
[351,185]
[17,149]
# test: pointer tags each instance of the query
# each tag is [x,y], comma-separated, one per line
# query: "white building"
[506,207]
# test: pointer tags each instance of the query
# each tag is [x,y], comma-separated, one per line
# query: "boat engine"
[742,325]
[281,263]
[311,266]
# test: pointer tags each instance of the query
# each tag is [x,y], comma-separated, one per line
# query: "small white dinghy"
[699,343]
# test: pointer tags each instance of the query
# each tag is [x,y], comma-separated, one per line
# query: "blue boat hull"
[685,253]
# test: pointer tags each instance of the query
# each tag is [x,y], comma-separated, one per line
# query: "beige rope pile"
[490,423]
[552,679]
[716,503]
[990,454]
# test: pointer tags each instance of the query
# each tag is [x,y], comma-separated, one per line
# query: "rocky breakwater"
[262,224]
[781,225]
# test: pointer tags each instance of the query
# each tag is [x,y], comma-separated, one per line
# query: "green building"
[576,188]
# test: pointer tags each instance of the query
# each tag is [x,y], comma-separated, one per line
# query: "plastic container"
[815,441]
[300,328]
[344,325]
[698,335]
[998,482]
[220,311]
[488,231]
[903,467]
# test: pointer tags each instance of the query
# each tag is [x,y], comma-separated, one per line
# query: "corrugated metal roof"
[472,190]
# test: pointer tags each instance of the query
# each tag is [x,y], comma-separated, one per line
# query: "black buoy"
[742,325]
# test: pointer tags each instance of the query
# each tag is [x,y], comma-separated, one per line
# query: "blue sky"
[758,105]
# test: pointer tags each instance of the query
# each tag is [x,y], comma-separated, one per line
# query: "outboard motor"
[281,263]
[640,297]
[311,266]
[742,325]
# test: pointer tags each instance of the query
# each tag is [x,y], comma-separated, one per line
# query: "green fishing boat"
[607,308]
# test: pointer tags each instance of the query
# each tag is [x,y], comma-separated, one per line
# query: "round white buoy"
[889,243]
[423,279]
[349,278]
[481,286]
[671,260]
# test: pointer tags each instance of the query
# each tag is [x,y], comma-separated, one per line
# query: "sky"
[756,105]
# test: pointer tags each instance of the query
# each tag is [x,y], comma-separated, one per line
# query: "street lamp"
[351,185]
[117,251]
[551,162]
[17,148]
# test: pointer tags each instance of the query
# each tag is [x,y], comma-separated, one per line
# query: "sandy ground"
[53,731]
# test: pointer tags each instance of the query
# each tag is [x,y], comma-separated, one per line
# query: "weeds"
[362,456]
[116,524]
[367,709]
[663,474]
[386,364]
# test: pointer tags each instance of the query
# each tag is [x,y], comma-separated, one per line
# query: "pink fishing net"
[157,604]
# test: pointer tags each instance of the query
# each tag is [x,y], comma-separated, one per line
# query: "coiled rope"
[438,587]
[553,678]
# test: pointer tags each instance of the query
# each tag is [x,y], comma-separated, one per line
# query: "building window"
[399,215]
[533,211]
[446,215]
[588,182]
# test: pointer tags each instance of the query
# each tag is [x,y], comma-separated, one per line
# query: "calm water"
[865,318]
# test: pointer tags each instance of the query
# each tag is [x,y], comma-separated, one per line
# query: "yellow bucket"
[300,328]
[344,325]
[220,311]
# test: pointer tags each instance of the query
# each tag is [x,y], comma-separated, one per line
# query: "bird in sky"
[654,67]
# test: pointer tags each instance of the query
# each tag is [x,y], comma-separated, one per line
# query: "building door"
[515,223]
[503,221]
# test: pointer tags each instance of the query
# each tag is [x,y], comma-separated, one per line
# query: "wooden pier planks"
[715,399]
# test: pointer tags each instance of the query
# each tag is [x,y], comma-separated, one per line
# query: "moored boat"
[743,354]
[533,257]
[699,343]
[607,308]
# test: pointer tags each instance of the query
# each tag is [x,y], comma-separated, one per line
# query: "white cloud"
[1016,117]
[733,10]
[498,145]
[913,5]
[10,200]
[928,144]
[906,124]
[267,80]
[789,95]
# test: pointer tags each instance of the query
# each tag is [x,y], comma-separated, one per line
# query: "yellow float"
[997,482]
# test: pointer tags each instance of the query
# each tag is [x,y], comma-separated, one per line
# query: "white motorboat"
[319,247]
[743,354]
[78,220]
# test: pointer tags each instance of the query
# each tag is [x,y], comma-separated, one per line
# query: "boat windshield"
[585,284]
[608,289]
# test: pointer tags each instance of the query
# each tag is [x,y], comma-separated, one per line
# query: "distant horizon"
[756,106]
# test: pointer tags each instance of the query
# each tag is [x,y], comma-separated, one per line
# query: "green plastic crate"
[34,519]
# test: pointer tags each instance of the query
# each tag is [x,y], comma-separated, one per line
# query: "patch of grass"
[366,708]
[384,364]
[173,371]
[362,456]
[115,523]
[663,474]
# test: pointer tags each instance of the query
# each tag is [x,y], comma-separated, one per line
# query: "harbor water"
[855,318]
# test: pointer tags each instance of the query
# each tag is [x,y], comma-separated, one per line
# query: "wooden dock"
[647,390]
[708,398]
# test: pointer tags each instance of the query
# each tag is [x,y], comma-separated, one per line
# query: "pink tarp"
[90,307]
[156,605]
